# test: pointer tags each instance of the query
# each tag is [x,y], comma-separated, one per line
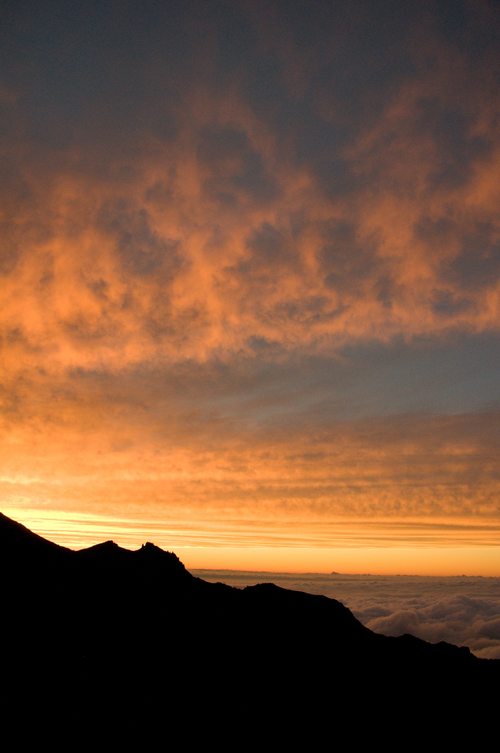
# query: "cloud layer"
[462,611]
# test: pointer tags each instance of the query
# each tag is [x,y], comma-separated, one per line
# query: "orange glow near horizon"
[376,548]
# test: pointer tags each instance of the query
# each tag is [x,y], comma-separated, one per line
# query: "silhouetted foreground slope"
[113,632]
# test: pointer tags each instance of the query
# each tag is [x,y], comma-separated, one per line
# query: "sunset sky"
[250,280]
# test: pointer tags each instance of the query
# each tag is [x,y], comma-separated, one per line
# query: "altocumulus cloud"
[335,224]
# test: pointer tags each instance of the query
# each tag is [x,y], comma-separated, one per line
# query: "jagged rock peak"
[150,551]
[149,548]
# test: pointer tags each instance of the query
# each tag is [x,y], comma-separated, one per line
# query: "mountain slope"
[137,629]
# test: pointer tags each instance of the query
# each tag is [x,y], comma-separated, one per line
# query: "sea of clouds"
[461,610]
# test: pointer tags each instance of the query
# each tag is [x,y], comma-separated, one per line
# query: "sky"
[249,280]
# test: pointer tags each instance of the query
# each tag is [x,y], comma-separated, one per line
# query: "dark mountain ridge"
[137,619]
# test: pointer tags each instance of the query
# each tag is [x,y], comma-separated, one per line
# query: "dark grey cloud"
[161,192]
[16,191]
[237,170]
[449,304]
[471,258]
[477,265]
[140,249]
[346,261]
[26,223]
[457,146]
[271,256]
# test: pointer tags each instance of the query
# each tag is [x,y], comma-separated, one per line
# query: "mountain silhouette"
[107,628]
